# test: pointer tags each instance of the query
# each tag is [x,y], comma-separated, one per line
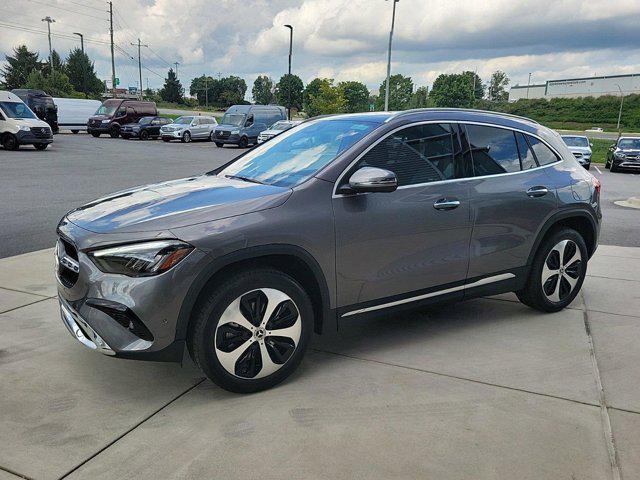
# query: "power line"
[156,54]
[85,5]
[64,35]
[67,10]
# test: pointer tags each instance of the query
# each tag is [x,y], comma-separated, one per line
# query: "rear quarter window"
[544,154]
[494,150]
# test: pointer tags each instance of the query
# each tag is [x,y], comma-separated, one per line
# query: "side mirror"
[591,144]
[372,179]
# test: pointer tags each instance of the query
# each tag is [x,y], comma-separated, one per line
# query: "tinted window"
[420,154]
[494,150]
[526,155]
[544,155]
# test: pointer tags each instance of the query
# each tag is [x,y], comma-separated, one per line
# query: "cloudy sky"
[341,39]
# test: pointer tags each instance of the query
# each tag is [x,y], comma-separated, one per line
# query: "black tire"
[212,136]
[75,132]
[219,144]
[613,168]
[186,137]
[588,166]
[533,294]
[10,142]
[41,146]
[114,132]
[95,134]
[166,139]
[607,164]
[144,135]
[207,316]
[244,142]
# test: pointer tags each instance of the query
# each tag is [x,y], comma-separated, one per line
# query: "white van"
[20,126]
[74,113]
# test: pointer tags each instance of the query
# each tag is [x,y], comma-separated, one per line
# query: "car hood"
[177,203]
[99,117]
[131,125]
[227,128]
[579,149]
[271,132]
[632,151]
[31,122]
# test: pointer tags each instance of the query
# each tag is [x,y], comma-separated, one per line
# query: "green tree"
[312,89]
[497,86]
[356,96]
[232,91]
[420,98]
[201,88]
[262,90]
[172,90]
[58,64]
[476,84]
[290,88]
[81,72]
[452,90]
[55,84]
[400,93]
[325,99]
[19,66]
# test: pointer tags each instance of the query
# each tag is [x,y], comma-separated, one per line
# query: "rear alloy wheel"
[186,137]
[10,142]
[144,135]
[75,132]
[557,273]
[253,331]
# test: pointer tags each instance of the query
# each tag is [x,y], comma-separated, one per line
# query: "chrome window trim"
[478,283]
[466,179]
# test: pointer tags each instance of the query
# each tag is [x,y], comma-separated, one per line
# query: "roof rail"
[472,110]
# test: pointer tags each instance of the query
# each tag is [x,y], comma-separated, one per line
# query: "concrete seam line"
[455,377]
[128,431]
[23,291]
[618,409]
[25,305]
[19,475]
[604,410]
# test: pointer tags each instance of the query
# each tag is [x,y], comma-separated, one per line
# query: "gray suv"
[338,218]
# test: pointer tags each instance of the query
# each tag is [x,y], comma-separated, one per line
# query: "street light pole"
[81,40]
[290,27]
[176,64]
[528,83]
[386,93]
[49,21]
[620,111]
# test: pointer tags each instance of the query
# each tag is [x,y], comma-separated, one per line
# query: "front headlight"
[620,155]
[141,259]
[235,132]
[24,128]
[106,121]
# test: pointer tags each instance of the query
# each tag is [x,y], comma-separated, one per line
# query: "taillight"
[596,184]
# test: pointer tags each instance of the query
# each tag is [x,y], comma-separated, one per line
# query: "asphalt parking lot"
[483,389]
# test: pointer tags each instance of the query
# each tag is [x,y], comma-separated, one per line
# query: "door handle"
[537,191]
[446,204]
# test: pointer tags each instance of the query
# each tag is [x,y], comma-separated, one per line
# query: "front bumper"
[99,128]
[232,139]
[28,138]
[129,133]
[175,135]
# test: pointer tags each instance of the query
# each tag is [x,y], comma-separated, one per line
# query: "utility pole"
[176,64]
[290,27]
[528,84]
[140,63]
[49,21]
[84,74]
[206,91]
[113,61]
[620,111]
[393,21]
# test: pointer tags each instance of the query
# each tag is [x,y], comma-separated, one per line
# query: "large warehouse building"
[579,87]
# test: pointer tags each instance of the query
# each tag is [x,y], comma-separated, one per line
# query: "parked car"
[276,129]
[74,113]
[41,104]
[624,154]
[189,128]
[595,129]
[20,126]
[115,112]
[341,217]
[241,124]
[145,128]
[580,146]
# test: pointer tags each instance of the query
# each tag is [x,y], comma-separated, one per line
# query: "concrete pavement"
[483,389]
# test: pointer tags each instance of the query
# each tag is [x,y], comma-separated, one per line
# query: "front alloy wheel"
[561,271]
[258,333]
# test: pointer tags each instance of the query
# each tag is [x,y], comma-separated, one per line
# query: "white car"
[187,128]
[595,129]
[276,129]
[20,126]
[580,146]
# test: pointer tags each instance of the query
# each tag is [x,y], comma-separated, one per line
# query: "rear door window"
[527,158]
[543,154]
[494,150]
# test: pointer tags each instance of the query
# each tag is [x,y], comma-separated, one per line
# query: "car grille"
[222,134]
[577,154]
[41,132]
[67,265]
[94,123]
[633,157]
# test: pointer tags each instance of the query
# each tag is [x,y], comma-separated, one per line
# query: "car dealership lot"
[483,389]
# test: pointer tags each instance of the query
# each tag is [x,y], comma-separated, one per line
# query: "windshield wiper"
[246,179]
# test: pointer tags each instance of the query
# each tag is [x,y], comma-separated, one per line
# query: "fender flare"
[217,264]
[557,217]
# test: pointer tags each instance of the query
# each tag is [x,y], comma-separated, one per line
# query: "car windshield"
[16,110]
[280,126]
[576,141]
[629,143]
[145,120]
[183,120]
[107,110]
[236,119]
[297,154]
